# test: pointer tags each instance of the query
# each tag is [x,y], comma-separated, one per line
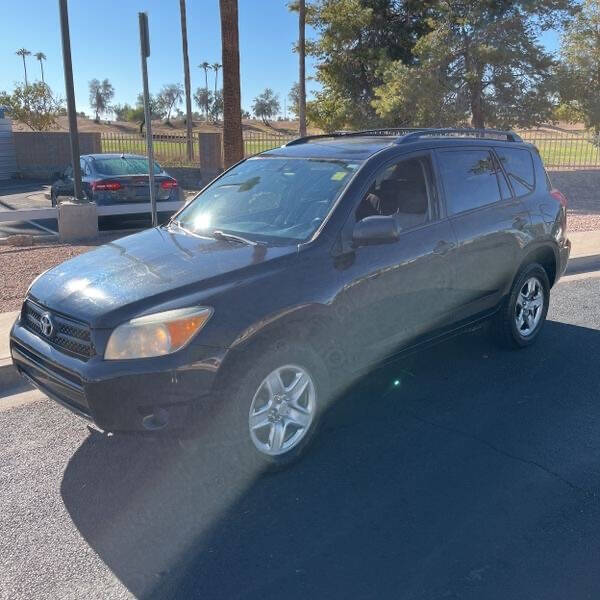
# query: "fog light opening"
[159,419]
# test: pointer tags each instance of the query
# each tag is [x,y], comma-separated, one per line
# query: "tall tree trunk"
[42,68]
[302,69]
[477,118]
[206,98]
[233,144]
[25,69]
[186,76]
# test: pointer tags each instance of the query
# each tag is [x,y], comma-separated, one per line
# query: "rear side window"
[518,164]
[470,179]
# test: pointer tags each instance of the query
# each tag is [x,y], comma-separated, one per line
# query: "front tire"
[275,404]
[522,316]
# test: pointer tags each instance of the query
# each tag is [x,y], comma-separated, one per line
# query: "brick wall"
[40,154]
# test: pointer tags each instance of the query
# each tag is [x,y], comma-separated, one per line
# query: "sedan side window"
[470,179]
[402,189]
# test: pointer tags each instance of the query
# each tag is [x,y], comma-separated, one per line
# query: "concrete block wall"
[40,153]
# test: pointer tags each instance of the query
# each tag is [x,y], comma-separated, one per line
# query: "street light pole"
[71,111]
[145,53]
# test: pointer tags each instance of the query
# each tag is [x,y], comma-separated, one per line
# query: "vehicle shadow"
[433,477]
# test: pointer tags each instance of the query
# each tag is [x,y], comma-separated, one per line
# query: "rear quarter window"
[518,164]
[469,178]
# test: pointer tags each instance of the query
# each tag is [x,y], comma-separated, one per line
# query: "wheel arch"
[309,325]
[546,254]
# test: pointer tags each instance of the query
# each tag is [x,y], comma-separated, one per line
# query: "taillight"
[558,195]
[168,184]
[109,186]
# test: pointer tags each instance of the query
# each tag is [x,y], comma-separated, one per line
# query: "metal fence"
[565,150]
[559,149]
[171,150]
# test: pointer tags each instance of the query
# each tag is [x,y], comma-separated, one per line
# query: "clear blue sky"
[105,43]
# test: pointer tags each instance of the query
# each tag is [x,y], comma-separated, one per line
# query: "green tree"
[41,57]
[579,73]
[101,93]
[34,105]
[266,105]
[216,67]
[294,99]
[169,97]
[205,66]
[23,52]
[216,106]
[354,38]
[203,99]
[481,61]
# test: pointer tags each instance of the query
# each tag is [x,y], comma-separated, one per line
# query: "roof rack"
[410,134]
[509,136]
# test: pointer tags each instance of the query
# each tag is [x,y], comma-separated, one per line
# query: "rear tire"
[523,313]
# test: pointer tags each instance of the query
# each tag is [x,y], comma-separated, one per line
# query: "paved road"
[477,478]
[16,195]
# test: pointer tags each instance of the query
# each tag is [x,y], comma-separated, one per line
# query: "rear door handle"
[443,247]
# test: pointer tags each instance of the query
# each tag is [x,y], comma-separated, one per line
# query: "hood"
[145,268]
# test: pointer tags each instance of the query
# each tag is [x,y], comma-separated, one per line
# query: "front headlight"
[156,335]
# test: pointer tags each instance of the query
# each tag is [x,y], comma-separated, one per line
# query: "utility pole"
[302,66]
[186,75]
[145,53]
[71,111]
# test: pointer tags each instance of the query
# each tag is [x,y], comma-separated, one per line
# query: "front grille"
[68,335]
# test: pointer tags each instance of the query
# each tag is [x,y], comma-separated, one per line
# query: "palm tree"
[186,76]
[206,67]
[41,57]
[233,143]
[215,67]
[23,52]
[302,67]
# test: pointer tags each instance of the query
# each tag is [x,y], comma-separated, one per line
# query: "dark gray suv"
[291,275]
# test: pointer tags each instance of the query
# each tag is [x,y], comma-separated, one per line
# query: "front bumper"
[134,395]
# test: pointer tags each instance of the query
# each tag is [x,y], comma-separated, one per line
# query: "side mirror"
[376,230]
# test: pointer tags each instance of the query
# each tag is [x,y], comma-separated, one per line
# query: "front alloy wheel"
[282,410]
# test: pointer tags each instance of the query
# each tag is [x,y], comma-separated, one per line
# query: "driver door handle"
[443,247]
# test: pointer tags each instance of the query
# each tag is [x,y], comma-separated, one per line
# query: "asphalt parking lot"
[477,478]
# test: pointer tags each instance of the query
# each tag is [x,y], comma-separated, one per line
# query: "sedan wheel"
[282,410]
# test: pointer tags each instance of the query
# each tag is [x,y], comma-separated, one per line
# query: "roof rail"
[510,136]
[391,131]
[409,134]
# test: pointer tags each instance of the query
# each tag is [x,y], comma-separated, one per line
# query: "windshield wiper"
[221,235]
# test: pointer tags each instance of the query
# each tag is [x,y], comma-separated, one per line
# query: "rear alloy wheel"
[522,317]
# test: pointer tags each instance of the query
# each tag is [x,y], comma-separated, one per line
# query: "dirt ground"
[20,265]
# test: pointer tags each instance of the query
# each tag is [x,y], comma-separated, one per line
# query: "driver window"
[402,189]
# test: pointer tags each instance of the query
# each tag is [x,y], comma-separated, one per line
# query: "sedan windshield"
[124,165]
[269,198]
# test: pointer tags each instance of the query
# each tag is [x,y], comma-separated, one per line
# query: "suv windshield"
[270,198]
[125,165]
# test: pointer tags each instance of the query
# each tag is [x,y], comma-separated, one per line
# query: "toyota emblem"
[46,325]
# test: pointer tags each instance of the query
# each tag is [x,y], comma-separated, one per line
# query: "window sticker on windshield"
[338,175]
